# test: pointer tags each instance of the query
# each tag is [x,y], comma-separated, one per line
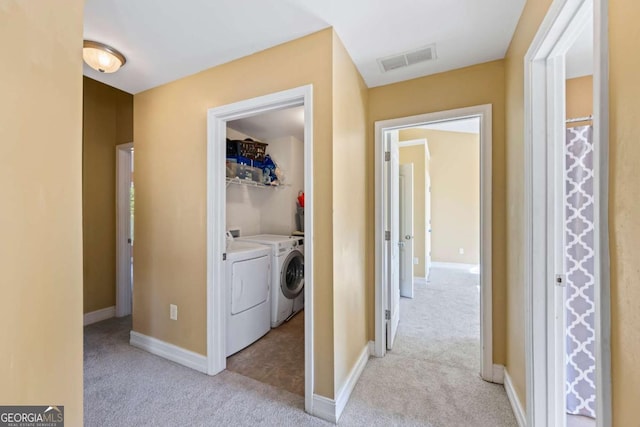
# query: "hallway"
[432,375]
[429,379]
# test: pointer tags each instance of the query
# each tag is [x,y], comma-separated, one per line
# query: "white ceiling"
[273,124]
[165,40]
[579,60]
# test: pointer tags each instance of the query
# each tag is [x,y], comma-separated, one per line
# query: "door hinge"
[560,280]
[387,235]
[387,156]
[387,315]
[224,256]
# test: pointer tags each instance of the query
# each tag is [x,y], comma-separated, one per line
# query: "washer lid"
[276,240]
[243,250]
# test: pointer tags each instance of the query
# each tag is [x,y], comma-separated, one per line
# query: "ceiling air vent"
[393,62]
[406,59]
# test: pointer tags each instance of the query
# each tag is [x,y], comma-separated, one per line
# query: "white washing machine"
[287,291]
[248,280]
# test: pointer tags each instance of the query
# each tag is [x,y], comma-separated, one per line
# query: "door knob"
[408,237]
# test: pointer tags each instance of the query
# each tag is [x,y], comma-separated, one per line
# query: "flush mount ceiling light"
[101,57]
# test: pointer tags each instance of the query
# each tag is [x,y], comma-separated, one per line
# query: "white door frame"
[123,227]
[216,221]
[483,112]
[544,137]
[391,250]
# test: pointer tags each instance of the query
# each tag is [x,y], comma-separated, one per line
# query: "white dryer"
[287,291]
[248,300]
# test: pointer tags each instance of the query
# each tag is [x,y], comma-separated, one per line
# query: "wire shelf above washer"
[250,183]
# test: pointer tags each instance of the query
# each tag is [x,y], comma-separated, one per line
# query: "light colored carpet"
[431,378]
[125,386]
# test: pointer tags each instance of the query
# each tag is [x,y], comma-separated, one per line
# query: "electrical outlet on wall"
[416,261]
[461,250]
[173,312]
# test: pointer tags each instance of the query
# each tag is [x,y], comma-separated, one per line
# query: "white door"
[393,226]
[124,229]
[427,221]
[406,230]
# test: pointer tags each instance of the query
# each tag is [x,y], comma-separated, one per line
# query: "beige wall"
[579,101]
[455,194]
[107,122]
[624,209]
[41,219]
[349,204]
[416,155]
[532,16]
[476,85]
[624,203]
[171,137]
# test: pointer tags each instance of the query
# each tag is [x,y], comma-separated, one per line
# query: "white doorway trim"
[483,112]
[544,136]
[216,221]
[123,230]
[412,142]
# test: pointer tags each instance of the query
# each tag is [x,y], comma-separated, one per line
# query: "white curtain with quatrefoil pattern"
[579,257]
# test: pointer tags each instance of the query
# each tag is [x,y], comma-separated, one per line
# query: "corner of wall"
[530,20]
[41,223]
[350,104]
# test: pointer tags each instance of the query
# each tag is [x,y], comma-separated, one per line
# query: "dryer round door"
[292,274]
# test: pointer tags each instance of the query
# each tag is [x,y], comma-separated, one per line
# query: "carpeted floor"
[125,386]
[429,379]
[432,375]
[277,358]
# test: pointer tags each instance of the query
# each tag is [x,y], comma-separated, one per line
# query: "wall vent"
[406,59]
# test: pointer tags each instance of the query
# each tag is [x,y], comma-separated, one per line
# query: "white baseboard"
[169,351]
[498,374]
[330,409]
[99,315]
[372,348]
[345,391]
[516,406]
[455,265]
[324,408]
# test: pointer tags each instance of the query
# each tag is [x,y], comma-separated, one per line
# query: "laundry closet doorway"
[218,223]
